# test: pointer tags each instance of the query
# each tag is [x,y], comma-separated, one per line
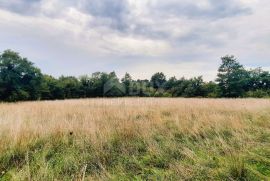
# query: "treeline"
[21,80]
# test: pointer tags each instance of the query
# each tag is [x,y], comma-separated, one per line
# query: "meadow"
[135,139]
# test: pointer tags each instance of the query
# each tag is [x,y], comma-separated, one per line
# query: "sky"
[177,37]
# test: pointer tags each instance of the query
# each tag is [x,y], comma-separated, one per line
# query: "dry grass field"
[136,139]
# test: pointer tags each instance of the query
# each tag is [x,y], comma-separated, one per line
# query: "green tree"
[51,88]
[172,82]
[158,80]
[259,79]
[104,84]
[112,87]
[195,87]
[211,89]
[127,81]
[85,81]
[232,78]
[97,81]
[71,86]
[19,79]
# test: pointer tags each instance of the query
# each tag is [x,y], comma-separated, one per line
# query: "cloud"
[79,37]
[206,9]
[113,10]
[25,7]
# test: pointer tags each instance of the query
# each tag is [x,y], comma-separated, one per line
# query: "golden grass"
[98,119]
[103,116]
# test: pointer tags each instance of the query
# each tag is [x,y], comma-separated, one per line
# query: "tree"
[112,87]
[127,81]
[51,88]
[232,78]
[103,84]
[96,84]
[71,86]
[142,88]
[211,89]
[194,87]
[170,83]
[259,79]
[19,79]
[158,80]
[85,82]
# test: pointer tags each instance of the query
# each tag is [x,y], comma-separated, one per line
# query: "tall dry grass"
[211,124]
[103,116]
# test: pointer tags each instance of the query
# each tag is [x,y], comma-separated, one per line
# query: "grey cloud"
[218,9]
[115,13]
[118,9]
[25,7]
[149,31]
[113,10]
[212,31]
[106,8]
[201,36]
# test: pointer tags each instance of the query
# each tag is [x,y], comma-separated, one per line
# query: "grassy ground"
[136,139]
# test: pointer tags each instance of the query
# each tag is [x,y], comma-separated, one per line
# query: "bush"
[257,94]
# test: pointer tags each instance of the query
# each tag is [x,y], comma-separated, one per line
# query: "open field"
[136,139]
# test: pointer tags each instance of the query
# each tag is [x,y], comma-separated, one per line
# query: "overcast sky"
[177,37]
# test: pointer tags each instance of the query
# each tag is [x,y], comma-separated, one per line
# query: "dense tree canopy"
[158,80]
[232,78]
[21,80]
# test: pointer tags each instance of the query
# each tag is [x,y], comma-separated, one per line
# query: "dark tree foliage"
[211,89]
[127,82]
[20,80]
[158,80]
[259,79]
[232,78]
[51,88]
